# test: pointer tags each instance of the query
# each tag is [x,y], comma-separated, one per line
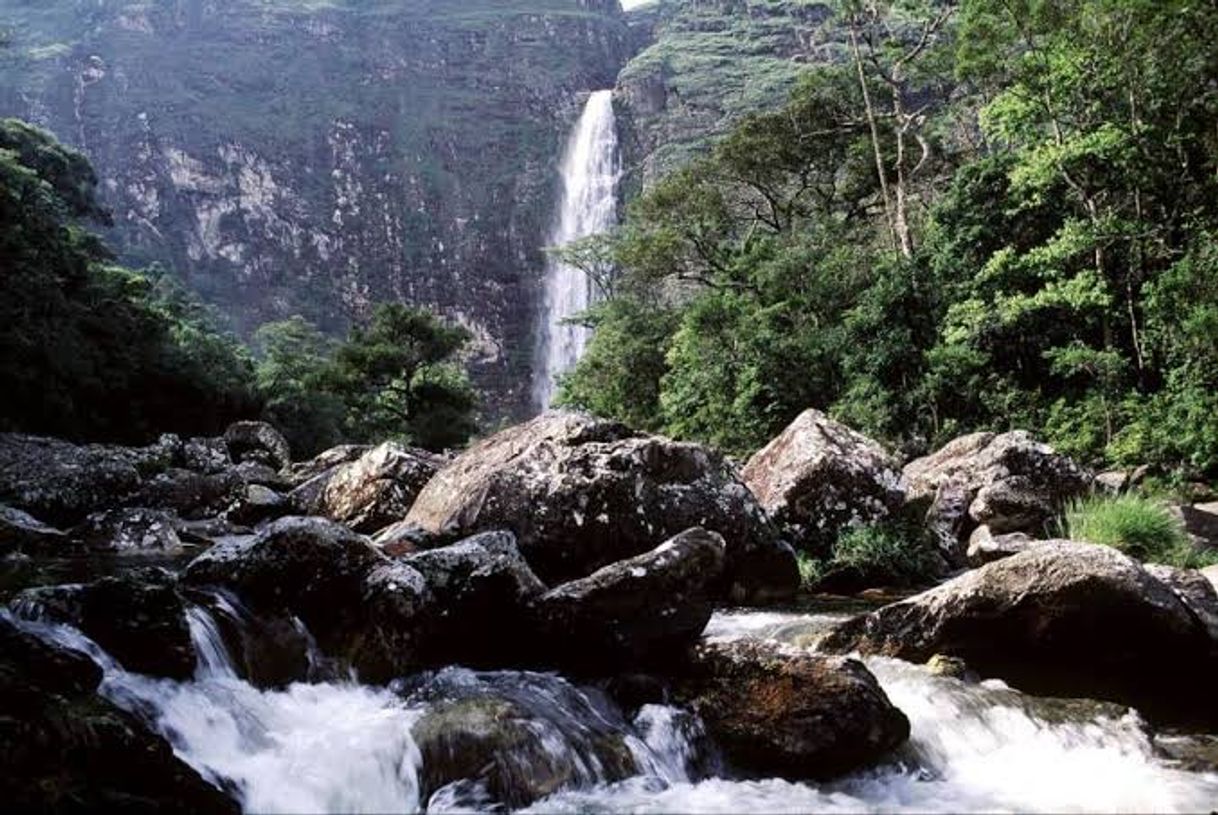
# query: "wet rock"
[581,493]
[134,531]
[137,617]
[819,477]
[397,626]
[514,737]
[64,748]
[1061,618]
[189,494]
[205,455]
[789,713]
[22,532]
[313,567]
[207,531]
[404,538]
[943,665]
[303,471]
[1009,481]
[378,488]
[637,612]
[947,519]
[1194,590]
[985,547]
[258,504]
[257,442]
[60,483]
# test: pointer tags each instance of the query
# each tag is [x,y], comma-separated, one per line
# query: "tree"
[292,372]
[399,376]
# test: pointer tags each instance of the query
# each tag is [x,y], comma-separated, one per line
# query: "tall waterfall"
[587,206]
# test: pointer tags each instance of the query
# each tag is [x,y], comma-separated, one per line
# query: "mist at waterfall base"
[339,746]
[587,206]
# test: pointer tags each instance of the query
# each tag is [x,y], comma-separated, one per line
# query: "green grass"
[1141,527]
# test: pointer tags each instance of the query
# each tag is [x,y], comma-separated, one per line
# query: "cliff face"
[319,156]
[706,64]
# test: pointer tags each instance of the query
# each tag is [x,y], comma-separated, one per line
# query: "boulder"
[130,531]
[818,477]
[65,749]
[404,538]
[60,483]
[257,442]
[1200,521]
[513,738]
[137,617]
[22,532]
[634,613]
[303,471]
[774,711]
[378,488]
[1210,573]
[581,493]
[1194,590]
[206,455]
[1061,618]
[190,494]
[257,504]
[985,547]
[1008,481]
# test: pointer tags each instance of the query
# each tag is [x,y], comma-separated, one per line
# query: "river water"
[339,746]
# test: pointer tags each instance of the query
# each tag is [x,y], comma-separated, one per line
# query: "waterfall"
[587,206]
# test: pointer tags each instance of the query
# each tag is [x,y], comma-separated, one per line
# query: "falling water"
[587,207]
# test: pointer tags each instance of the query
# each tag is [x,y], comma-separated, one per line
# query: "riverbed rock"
[986,547]
[637,612]
[581,493]
[819,477]
[482,588]
[303,471]
[60,483]
[65,749]
[130,531]
[205,454]
[515,737]
[22,532]
[785,712]
[1061,618]
[1200,522]
[137,617]
[256,504]
[378,488]
[1007,481]
[1194,590]
[257,442]
[189,494]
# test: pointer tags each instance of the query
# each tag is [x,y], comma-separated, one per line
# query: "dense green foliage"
[872,555]
[991,214]
[89,349]
[397,377]
[1140,527]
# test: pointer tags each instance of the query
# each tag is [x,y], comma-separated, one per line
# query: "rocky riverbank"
[566,544]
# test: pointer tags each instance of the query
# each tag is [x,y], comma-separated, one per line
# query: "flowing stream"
[339,746]
[587,206]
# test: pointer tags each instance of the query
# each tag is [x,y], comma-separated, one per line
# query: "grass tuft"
[1141,527]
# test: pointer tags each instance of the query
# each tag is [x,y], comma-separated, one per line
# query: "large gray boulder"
[638,612]
[302,471]
[137,617]
[378,488]
[257,442]
[819,477]
[22,532]
[1008,481]
[581,493]
[1061,618]
[775,711]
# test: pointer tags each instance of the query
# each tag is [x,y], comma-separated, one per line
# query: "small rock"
[205,455]
[985,547]
[258,504]
[22,532]
[257,442]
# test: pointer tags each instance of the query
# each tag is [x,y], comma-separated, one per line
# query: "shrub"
[1139,526]
[871,555]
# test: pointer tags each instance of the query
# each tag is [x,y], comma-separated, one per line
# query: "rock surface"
[638,612]
[22,532]
[135,531]
[257,442]
[1062,618]
[580,493]
[137,617]
[790,713]
[378,488]
[985,547]
[818,477]
[64,749]
[60,483]
[1007,481]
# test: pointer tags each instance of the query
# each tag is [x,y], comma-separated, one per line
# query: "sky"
[629,4]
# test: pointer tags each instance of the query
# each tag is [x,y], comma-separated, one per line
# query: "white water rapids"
[344,747]
[587,206]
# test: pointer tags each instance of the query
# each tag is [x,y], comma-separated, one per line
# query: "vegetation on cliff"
[989,215]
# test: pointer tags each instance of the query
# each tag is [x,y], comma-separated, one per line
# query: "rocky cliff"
[318,156]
